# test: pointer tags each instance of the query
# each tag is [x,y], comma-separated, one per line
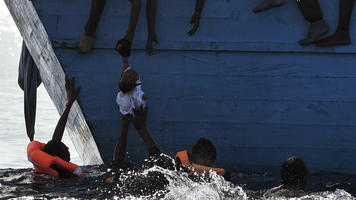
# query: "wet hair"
[56,148]
[203,152]
[128,81]
[294,173]
[126,86]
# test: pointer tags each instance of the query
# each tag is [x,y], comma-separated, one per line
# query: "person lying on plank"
[53,158]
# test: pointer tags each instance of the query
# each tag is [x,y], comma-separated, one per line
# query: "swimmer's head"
[57,148]
[294,173]
[128,80]
[203,152]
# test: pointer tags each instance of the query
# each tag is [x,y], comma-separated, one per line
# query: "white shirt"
[131,100]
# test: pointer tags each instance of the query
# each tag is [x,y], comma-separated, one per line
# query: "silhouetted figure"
[195,20]
[53,158]
[268,4]
[123,46]
[29,79]
[294,175]
[312,13]
[88,38]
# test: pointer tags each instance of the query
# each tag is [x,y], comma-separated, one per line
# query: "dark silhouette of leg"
[268,4]
[312,13]
[88,38]
[120,148]
[341,36]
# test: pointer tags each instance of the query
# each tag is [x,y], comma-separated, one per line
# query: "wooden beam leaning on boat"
[53,158]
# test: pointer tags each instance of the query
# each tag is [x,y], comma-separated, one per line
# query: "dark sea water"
[25,184]
[18,181]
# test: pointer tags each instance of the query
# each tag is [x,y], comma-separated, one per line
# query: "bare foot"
[338,38]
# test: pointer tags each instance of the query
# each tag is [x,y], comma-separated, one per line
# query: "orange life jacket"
[184,158]
[42,161]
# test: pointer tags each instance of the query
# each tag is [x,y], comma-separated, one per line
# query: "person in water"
[123,46]
[197,163]
[268,4]
[313,14]
[199,159]
[53,158]
[294,174]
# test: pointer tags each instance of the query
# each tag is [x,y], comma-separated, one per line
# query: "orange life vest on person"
[184,158]
[42,161]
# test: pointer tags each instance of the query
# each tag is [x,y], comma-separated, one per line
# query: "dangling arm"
[195,21]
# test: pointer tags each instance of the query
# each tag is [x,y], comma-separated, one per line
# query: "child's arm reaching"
[151,22]
[195,21]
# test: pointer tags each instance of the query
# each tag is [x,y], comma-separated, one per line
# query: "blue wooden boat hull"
[241,81]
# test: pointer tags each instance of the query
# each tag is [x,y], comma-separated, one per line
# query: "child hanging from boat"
[131,102]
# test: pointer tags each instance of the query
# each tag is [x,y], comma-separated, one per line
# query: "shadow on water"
[163,184]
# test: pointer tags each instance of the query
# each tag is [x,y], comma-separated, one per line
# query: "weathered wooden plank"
[275,30]
[39,45]
[213,63]
[269,77]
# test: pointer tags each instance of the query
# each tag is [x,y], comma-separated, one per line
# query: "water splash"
[179,185]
